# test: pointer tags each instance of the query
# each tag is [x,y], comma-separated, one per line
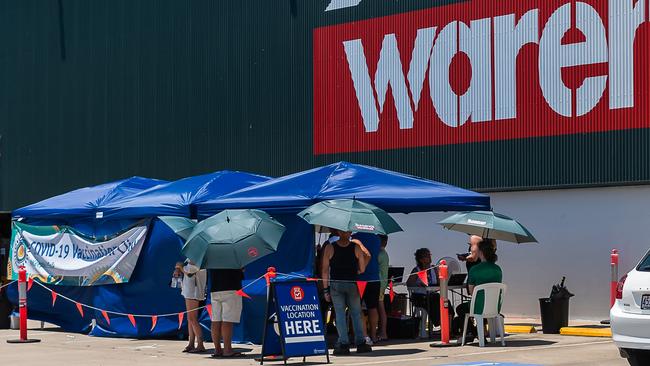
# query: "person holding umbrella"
[225,243]
[343,260]
[193,290]
[472,258]
[226,308]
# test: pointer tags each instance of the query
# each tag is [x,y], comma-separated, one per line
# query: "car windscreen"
[644,266]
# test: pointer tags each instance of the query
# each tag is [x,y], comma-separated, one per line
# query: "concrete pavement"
[61,348]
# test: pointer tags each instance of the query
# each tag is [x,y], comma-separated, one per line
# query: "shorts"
[226,306]
[371,295]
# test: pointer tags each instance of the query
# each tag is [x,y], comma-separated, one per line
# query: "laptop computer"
[457,279]
[396,273]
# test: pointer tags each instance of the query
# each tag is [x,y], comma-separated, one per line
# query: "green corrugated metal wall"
[93,91]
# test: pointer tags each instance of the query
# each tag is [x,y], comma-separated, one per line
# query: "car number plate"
[645,302]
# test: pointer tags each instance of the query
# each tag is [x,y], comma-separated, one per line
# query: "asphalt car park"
[62,348]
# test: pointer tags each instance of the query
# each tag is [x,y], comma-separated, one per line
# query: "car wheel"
[638,357]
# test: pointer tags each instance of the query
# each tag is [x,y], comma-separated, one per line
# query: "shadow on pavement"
[519,343]
[381,352]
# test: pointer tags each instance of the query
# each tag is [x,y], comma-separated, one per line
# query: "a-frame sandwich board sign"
[294,323]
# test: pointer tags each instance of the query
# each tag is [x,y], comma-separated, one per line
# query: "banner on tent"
[62,256]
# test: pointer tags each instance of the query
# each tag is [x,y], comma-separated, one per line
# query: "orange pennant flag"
[391,293]
[30,282]
[209,309]
[53,297]
[423,277]
[80,308]
[154,320]
[243,294]
[105,314]
[361,285]
[132,319]
[180,320]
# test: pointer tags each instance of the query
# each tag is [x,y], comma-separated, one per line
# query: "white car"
[630,315]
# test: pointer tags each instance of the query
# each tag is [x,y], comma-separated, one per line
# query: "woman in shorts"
[193,290]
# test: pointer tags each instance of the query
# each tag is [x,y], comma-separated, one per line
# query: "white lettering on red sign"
[491,46]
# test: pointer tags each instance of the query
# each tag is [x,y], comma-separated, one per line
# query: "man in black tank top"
[343,260]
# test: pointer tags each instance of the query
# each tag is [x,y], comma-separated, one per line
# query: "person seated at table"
[487,271]
[421,296]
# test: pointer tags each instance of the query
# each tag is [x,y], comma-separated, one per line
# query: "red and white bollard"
[614,279]
[443,276]
[22,306]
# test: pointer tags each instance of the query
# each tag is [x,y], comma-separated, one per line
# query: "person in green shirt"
[383,278]
[487,271]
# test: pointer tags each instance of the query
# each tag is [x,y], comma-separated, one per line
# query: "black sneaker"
[364,348]
[341,350]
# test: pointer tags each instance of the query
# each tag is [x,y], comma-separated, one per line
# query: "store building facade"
[541,104]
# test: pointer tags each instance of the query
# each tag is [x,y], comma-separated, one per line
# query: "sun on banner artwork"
[60,255]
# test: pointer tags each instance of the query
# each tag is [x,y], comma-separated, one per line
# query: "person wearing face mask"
[193,290]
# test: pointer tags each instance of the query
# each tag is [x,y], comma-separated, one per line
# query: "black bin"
[555,314]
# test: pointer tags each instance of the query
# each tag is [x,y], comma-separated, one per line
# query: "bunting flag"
[30,282]
[180,320]
[312,279]
[132,319]
[105,314]
[154,320]
[53,297]
[243,294]
[423,277]
[80,308]
[361,285]
[391,293]
[208,307]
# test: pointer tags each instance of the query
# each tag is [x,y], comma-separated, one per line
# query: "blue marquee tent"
[285,196]
[178,198]
[391,191]
[85,202]
[148,291]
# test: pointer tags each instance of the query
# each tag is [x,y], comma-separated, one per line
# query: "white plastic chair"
[421,313]
[494,293]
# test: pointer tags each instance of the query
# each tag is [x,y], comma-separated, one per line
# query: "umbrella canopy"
[182,226]
[488,224]
[350,215]
[233,238]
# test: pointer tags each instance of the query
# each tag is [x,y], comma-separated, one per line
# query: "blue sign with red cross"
[294,320]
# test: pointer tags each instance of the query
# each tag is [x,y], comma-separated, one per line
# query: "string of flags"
[7,284]
[361,285]
[132,317]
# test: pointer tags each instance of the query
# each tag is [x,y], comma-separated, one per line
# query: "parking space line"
[506,350]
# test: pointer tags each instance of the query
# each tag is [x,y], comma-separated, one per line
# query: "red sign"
[297,293]
[469,72]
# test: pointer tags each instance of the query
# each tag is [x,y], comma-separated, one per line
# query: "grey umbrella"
[488,224]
